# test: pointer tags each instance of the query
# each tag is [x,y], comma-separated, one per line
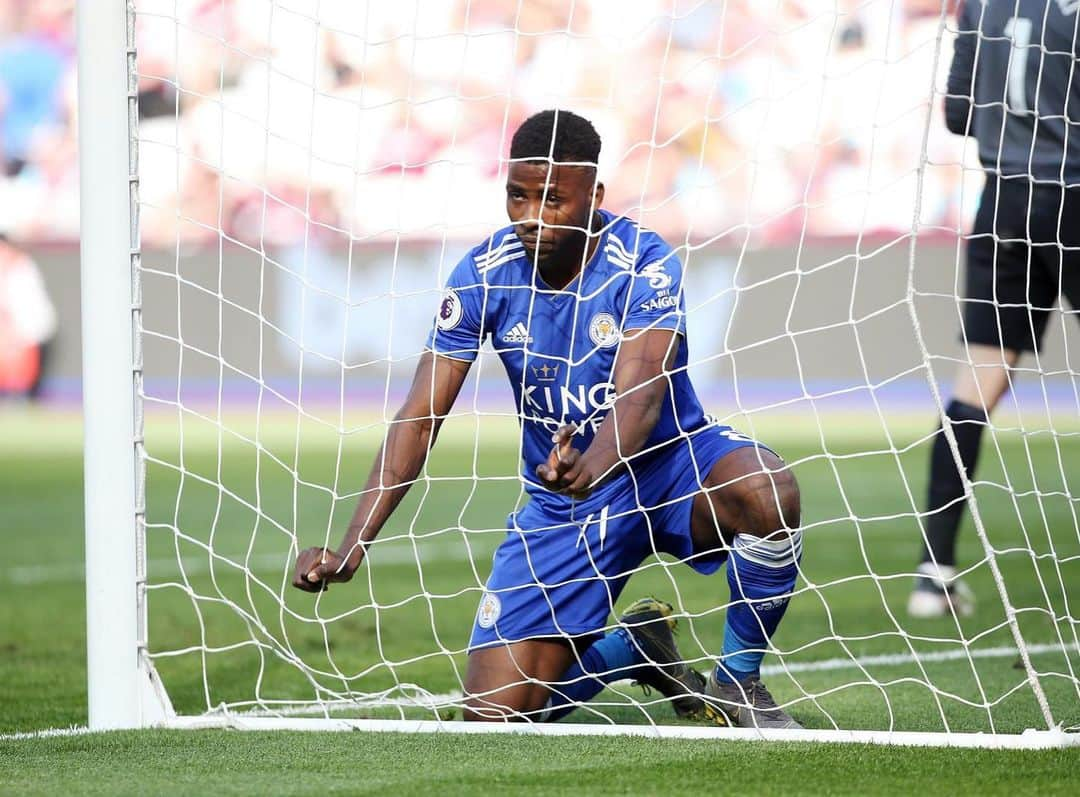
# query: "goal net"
[308,174]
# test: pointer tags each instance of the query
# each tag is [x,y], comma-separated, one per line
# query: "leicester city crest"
[489,611]
[603,331]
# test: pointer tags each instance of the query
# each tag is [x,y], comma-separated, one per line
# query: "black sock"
[946,489]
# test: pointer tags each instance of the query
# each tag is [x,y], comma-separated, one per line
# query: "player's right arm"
[453,344]
[961,81]
[435,386]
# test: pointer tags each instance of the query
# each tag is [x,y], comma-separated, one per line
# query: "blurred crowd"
[39,187]
[266,119]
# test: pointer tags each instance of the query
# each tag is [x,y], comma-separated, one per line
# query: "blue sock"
[611,658]
[757,570]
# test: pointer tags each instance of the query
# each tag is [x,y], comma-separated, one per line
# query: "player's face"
[550,207]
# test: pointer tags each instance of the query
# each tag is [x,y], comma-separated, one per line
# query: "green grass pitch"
[405,619]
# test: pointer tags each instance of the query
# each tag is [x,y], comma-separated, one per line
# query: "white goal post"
[120,693]
[228,426]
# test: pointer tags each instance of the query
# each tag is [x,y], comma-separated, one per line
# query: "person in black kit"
[1014,86]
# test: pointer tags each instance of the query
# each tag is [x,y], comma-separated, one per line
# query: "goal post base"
[155,708]
[1028,740]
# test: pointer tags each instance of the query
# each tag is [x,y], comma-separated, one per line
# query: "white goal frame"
[123,688]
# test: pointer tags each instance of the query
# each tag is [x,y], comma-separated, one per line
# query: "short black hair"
[575,139]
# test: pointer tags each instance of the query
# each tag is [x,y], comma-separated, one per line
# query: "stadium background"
[341,170]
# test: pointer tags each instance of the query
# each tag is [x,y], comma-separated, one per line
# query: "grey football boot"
[747,704]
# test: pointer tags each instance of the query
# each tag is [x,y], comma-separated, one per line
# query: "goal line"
[1028,740]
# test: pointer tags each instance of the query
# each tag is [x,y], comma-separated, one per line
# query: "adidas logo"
[519,333]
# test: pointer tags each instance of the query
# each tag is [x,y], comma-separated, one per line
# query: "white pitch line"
[1028,740]
[892,659]
[435,700]
[396,551]
[74,730]
[199,565]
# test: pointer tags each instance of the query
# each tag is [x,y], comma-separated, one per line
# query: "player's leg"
[642,648]
[1065,257]
[544,680]
[751,504]
[1008,290]
[538,647]
[978,388]
[509,682]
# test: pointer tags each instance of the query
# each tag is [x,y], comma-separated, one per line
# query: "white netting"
[310,172]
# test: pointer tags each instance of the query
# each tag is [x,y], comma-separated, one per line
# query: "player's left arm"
[641,386]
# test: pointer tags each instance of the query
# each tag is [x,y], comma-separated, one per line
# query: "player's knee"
[474,713]
[771,502]
[479,710]
[514,705]
[790,500]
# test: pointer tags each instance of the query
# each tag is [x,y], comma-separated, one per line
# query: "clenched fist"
[316,568]
[566,471]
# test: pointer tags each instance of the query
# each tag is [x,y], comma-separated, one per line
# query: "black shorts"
[1022,255]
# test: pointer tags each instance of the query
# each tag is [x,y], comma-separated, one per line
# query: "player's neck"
[562,271]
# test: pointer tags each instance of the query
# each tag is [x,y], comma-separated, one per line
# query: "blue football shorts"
[559,574]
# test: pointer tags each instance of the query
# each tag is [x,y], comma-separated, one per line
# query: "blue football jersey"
[559,346]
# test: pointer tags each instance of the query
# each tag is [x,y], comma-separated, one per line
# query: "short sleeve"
[457,329]
[656,295]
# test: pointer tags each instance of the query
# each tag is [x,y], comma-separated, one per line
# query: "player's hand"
[565,471]
[317,567]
